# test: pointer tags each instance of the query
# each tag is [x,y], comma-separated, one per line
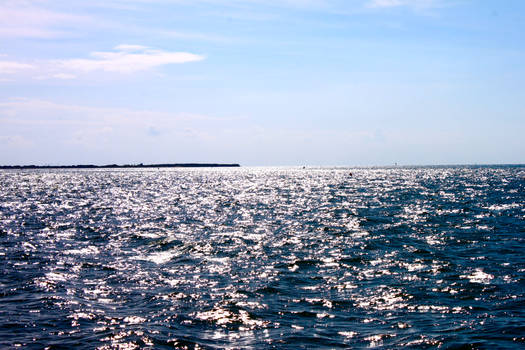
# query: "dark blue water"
[263,258]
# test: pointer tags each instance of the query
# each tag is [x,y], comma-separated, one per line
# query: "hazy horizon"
[262,83]
[71,166]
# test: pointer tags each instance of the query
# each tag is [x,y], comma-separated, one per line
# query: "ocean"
[263,258]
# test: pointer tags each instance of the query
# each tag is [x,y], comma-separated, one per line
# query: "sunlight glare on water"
[263,258]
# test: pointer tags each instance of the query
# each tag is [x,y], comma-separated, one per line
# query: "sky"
[262,82]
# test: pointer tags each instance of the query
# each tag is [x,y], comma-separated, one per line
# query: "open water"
[427,257]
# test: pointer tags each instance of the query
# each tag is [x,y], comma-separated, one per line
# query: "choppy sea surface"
[284,258]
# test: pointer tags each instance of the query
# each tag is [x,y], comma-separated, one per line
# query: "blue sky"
[291,82]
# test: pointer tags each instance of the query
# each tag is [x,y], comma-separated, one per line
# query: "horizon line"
[116,166]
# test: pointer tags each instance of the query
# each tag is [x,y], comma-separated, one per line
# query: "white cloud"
[11,67]
[127,59]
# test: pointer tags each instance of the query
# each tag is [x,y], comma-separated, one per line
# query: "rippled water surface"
[263,258]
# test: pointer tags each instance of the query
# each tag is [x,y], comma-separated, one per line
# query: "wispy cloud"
[60,76]
[11,67]
[124,59]
[22,19]
[127,59]
[42,112]
[78,129]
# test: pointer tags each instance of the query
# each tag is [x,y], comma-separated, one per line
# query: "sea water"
[261,258]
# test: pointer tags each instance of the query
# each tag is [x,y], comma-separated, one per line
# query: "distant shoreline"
[116,166]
